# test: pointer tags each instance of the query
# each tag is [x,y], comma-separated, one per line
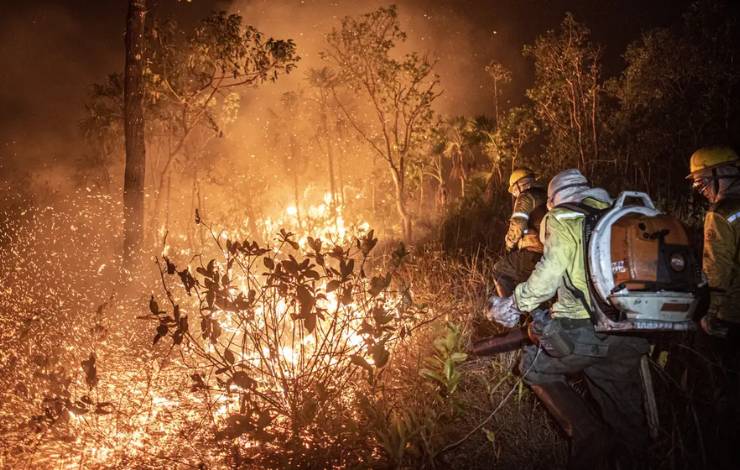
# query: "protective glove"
[503,311]
[713,326]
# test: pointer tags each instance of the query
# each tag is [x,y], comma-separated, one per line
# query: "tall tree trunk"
[330,164]
[495,100]
[398,181]
[420,206]
[340,177]
[134,177]
[296,192]
[373,192]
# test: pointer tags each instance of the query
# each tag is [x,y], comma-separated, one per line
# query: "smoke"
[52,51]
[48,58]
[443,30]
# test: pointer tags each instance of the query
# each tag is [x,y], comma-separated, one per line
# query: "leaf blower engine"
[644,274]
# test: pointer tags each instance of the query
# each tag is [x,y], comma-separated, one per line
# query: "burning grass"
[304,352]
[314,350]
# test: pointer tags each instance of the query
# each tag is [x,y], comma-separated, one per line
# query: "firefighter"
[716,176]
[523,246]
[569,343]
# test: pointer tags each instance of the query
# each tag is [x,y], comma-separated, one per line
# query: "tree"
[567,93]
[505,145]
[322,81]
[677,92]
[283,131]
[463,145]
[500,75]
[194,78]
[400,92]
[505,148]
[190,80]
[133,181]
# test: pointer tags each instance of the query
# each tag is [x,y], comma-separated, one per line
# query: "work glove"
[510,245]
[503,311]
[713,326]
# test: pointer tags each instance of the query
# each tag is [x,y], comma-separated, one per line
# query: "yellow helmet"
[711,157]
[519,174]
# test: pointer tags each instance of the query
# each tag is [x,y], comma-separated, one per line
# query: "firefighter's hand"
[713,326]
[510,245]
[503,311]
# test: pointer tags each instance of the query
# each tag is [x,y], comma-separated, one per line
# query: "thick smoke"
[51,51]
[443,30]
[48,58]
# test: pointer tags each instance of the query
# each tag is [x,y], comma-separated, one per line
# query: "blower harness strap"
[592,216]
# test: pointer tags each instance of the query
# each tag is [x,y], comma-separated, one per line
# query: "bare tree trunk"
[340,177]
[192,228]
[296,192]
[373,192]
[297,199]
[420,206]
[202,211]
[167,205]
[463,175]
[135,172]
[401,205]
[330,157]
[594,107]
[441,198]
[495,100]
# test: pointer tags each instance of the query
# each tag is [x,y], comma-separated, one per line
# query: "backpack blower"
[643,274]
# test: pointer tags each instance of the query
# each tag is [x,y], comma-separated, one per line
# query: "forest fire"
[331,234]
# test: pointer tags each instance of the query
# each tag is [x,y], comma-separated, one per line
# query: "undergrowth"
[85,385]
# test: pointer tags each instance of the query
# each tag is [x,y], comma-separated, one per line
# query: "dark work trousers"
[611,366]
[717,396]
[514,268]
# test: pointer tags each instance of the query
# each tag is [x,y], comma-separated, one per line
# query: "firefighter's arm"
[718,260]
[519,220]
[542,285]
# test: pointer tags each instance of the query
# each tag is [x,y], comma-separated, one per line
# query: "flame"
[154,403]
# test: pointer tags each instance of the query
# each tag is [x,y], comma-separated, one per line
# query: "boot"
[589,437]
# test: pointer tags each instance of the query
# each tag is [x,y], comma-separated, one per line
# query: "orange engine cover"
[642,247]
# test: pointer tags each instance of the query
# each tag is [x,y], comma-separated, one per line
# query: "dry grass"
[52,287]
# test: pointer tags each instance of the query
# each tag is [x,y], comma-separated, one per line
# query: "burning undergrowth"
[281,344]
[233,352]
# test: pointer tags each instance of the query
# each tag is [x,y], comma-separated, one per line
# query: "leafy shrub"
[276,339]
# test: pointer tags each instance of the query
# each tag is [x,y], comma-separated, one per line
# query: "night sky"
[51,51]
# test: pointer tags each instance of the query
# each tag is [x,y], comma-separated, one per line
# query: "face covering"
[716,183]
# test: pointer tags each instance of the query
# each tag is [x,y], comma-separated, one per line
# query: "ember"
[291,234]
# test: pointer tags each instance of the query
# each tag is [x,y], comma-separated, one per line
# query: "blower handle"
[646,201]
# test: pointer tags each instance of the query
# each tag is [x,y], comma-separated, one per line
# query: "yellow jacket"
[528,209]
[561,269]
[721,261]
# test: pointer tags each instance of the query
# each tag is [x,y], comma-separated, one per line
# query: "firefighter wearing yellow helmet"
[716,176]
[522,240]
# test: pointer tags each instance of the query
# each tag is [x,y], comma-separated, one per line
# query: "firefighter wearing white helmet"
[609,362]
[523,246]
[716,176]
